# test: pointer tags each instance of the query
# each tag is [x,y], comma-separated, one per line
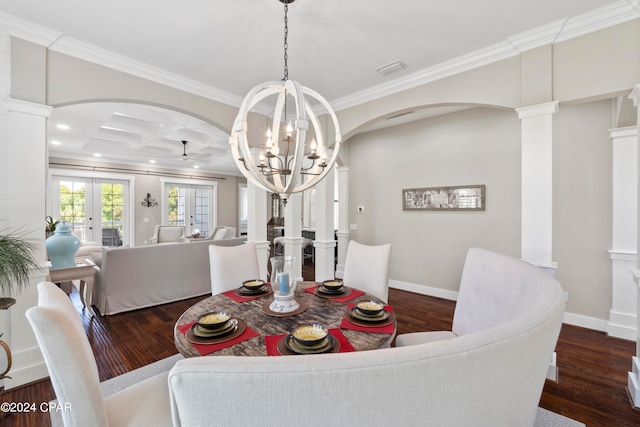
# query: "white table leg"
[81,292]
[86,300]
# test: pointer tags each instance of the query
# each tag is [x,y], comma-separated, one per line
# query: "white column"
[537,144]
[5,200]
[257,225]
[325,243]
[622,315]
[633,382]
[23,180]
[293,231]
[343,218]
[537,191]
[5,91]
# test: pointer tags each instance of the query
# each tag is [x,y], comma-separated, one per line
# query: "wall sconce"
[148,202]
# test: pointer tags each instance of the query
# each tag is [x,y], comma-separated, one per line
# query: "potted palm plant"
[17,259]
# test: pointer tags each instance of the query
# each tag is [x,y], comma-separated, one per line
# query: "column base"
[633,383]
[552,371]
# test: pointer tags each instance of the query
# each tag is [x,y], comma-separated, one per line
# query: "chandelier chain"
[286,43]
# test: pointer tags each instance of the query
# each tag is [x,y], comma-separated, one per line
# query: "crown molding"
[558,31]
[488,55]
[28,31]
[555,32]
[79,49]
[541,36]
[58,42]
[598,19]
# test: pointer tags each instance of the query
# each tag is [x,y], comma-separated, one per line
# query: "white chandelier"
[283,161]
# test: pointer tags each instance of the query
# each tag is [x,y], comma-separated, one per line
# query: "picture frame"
[456,198]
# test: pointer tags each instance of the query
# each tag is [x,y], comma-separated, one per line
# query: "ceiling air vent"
[391,67]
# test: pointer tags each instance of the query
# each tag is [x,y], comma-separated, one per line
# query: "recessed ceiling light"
[152,161]
[56,143]
[97,155]
[63,126]
[196,167]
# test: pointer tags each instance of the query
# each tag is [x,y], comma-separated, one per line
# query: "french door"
[191,205]
[98,207]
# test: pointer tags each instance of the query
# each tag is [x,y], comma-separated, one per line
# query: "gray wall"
[582,206]
[227,206]
[477,146]
[482,146]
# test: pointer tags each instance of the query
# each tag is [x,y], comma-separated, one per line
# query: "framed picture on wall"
[460,198]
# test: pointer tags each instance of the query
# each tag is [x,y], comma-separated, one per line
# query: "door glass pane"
[112,214]
[201,211]
[176,200]
[73,203]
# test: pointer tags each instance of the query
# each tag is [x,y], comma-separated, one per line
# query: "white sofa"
[489,377]
[131,278]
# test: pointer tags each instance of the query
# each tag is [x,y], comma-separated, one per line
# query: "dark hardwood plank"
[592,368]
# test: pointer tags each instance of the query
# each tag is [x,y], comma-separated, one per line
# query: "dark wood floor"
[591,385]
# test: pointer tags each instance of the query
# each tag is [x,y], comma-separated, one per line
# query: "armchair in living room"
[86,248]
[168,234]
[223,232]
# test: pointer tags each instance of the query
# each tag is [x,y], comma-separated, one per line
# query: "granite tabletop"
[325,311]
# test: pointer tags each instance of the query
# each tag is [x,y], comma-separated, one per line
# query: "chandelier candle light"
[286,163]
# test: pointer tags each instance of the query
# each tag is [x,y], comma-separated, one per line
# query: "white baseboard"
[622,325]
[552,370]
[633,382]
[585,322]
[569,318]
[28,366]
[424,290]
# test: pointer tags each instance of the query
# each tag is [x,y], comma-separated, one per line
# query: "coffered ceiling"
[222,48]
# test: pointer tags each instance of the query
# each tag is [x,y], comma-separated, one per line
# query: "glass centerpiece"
[283,283]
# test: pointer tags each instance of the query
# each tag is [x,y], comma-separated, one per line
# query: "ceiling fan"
[185,156]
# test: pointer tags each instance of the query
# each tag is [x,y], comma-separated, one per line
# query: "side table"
[83,271]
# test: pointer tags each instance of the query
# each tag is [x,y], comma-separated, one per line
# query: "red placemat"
[272,342]
[354,294]
[205,349]
[387,329]
[239,298]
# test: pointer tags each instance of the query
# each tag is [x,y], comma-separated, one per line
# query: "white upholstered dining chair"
[494,289]
[367,268]
[74,372]
[232,265]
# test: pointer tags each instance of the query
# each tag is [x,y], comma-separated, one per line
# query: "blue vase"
[62,247]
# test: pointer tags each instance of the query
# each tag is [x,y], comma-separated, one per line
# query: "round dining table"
[325,311]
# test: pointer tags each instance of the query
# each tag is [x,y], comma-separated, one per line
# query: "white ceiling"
[227,47]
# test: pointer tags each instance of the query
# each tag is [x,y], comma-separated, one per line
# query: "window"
[98,207]
[190,204]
